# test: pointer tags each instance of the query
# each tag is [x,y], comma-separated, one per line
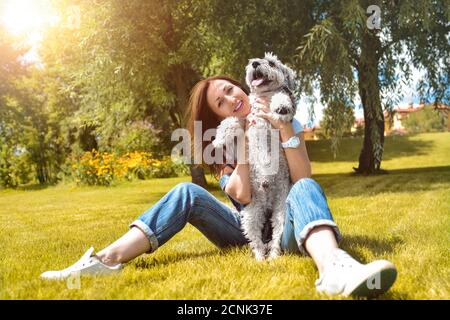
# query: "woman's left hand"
[265,113]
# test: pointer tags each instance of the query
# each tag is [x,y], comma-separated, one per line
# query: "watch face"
[293,142]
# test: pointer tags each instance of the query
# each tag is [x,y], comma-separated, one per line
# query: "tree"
[35,111]
[44,112]
[241,30]
[235,31]
[137,61]
[134,61]
[343,54]
[11,158]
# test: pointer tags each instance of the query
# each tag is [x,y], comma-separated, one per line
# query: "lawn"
[403,216]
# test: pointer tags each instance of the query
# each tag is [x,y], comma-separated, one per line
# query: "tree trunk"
[198,176]
[369,91]
[183,79]
[87,139]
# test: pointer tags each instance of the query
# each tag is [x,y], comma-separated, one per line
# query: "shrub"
[426,120]
[94,168]
[138,136]
[102,168]
[15,167]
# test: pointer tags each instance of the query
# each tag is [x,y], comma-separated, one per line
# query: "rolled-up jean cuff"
[148,233]
[313,224]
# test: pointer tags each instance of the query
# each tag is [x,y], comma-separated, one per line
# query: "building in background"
[312,133]
[396,126]
[400,114]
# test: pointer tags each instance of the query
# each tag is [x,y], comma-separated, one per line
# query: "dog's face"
[268,74]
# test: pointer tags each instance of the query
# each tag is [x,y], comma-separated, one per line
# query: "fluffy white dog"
[263,217]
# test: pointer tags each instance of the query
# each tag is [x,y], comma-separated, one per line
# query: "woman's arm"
[298,160]
[238,186]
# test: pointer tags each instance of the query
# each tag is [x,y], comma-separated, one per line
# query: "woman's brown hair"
[199,110]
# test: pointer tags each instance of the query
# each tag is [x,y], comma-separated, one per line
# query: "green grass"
[403,216]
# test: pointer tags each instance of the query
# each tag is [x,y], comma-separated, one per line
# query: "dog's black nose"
[255,64]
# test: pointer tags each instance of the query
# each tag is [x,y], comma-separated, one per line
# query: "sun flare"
[26,17]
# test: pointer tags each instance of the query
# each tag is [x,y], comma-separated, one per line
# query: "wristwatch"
[293,142]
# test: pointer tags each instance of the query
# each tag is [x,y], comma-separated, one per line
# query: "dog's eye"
[271,64]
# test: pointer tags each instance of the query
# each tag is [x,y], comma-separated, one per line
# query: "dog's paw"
[273,254]
[282,107]
[274,250]
[227,129]
[232,123]
[259,256]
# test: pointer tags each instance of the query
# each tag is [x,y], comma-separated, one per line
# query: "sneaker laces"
[82,261]
[342,259]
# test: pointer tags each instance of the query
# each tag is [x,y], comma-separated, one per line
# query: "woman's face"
[225,99]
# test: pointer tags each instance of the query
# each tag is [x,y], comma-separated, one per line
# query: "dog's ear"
[270,55]
[290,76]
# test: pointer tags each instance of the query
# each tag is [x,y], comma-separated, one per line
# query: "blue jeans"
[306,208]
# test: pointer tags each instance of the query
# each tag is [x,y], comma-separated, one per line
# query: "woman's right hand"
[249,121]
[260,103]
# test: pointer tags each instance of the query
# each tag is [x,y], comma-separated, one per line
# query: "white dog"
[263,217]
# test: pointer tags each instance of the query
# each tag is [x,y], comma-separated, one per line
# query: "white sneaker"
[346,276]
[87,265]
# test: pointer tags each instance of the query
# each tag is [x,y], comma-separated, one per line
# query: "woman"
[309,226]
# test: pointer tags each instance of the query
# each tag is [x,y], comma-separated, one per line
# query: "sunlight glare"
[27,17]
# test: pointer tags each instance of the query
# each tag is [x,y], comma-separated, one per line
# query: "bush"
[15,167]
[139,136]
[102,168]
[426,120]
[359,132]
[94,168]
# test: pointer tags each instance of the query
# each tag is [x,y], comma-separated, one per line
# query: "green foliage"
[15,162]
[426,120]
[134,62]
[341,54]
[339,32]
[359,132]
[127,64]
[15,167]
[137,136]
[131,61]
[241,30]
